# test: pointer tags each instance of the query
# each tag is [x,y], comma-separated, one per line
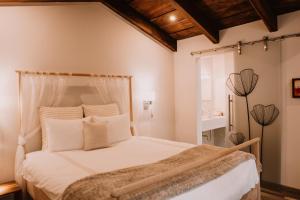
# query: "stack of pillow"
[65,128]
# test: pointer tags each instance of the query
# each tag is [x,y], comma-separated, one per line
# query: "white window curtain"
[37,90]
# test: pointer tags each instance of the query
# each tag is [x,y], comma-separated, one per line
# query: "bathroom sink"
[214,122]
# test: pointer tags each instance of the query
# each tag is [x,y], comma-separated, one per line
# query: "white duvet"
[54,172]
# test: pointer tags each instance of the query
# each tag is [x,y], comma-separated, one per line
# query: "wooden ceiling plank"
[264,11]
[141,22]
[165,13]
[152,8]
[239,18]
[202,22]
[286,6]
[190,32]
[177,25]
[182,30]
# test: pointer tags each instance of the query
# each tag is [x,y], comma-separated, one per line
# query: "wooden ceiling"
[193,17]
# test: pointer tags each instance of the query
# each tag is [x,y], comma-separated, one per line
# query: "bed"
[49,175]
[53,172]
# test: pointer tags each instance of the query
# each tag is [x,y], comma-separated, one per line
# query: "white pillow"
[101,110]
[118,127]
[57,113]
[64,135]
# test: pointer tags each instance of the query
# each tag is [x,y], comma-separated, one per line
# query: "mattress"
[53,172]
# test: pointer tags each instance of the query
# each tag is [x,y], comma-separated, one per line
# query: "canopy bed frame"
[20,92]
[38,194]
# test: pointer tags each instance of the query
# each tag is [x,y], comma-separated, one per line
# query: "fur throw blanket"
[102,186]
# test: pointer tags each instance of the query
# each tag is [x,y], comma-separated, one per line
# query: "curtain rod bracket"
[266,39]
[239,47]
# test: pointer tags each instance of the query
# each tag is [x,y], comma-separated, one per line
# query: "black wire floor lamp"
[242,84]
[264,116]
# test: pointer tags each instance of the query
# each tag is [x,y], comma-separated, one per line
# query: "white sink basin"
[213,123]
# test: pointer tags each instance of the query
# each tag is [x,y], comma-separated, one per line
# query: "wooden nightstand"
[10,191]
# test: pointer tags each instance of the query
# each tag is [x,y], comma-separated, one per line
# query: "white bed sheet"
[53,172]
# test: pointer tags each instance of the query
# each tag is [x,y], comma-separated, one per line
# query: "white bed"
[53,172]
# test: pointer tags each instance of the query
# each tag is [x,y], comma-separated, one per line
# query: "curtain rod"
[71,74]
[239,45]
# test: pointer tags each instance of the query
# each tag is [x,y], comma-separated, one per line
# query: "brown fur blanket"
[101,186]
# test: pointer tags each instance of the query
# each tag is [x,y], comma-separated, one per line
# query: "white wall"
[86,38]
[290,149]
[186,86]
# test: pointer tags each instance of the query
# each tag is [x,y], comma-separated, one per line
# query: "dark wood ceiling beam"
[264,11]
[207,26]
[141,22]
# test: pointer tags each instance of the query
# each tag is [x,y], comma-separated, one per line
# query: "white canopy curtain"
[36,91]
[50,89]
[112,89]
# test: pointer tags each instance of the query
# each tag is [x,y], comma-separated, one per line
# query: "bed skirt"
[38,194]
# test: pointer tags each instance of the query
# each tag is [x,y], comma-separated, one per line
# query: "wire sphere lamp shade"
[264,116]
[236,138]
[243,83]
